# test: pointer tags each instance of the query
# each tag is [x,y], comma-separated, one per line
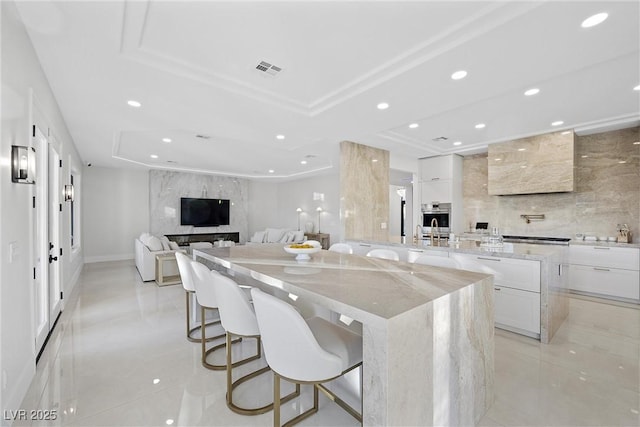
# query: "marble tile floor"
[118,357]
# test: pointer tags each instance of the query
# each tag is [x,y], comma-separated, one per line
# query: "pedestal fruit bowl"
[302,251]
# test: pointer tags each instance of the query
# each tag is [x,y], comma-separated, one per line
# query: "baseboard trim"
[107,258]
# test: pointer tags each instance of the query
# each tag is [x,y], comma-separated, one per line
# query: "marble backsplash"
[167,187]
[607,192]
[364,192]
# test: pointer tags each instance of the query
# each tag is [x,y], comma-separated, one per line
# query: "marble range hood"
[533,165]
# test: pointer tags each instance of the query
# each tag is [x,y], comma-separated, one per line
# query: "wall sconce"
[68,193]
[23,164]
[299,210]
[319,209]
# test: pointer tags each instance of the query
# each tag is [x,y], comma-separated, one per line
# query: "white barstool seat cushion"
[337,340]
[342,248]
[186,273]
[236,313]
[203,281]
[291,347]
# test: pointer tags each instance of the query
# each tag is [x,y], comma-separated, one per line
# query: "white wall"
[300,194]
[26,99]
[115,204]
[275,204]
[263,205]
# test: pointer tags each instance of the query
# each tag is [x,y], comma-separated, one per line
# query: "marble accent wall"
[167,187]
[607,174]
[537,164]
[364,192]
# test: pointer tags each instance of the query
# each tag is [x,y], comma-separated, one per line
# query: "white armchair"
[145,258]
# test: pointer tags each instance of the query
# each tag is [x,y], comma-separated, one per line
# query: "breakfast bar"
[428,337]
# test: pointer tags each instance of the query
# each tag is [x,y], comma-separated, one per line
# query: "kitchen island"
[548,271]
[427,332]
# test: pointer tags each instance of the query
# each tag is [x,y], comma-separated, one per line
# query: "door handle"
[52,258]
[50,245]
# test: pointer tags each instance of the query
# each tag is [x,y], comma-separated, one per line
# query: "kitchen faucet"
[433,230]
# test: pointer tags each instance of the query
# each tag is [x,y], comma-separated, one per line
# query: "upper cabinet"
[441,181]
[538,164]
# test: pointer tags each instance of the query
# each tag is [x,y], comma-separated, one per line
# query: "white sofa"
[145,256]
[277,235]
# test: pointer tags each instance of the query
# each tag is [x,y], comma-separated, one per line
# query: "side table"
[323,238]
[170,279]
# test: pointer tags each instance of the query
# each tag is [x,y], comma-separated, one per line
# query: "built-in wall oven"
[441,213]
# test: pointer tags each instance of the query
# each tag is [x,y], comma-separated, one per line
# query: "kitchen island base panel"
[444,376]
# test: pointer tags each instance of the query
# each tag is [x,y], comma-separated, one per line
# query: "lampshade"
[23,164]
[68,193]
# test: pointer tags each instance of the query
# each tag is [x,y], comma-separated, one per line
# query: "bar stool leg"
[231,385]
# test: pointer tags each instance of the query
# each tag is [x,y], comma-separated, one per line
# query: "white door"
[47,285]
[54,214]
[41,250]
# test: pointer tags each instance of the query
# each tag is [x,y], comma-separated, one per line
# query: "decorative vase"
[308,227]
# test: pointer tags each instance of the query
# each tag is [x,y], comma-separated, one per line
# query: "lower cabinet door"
[517,309]
[605,281]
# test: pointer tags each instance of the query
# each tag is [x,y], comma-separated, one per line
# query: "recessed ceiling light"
[154,156]
[636,143]
[459,75]
[622,161]
[457,143]
[497,159]
[566,132]
[584,156]
[166,139]
[271,171]
[637,87]
[594,20]
[413,125]
[532,91]
[383,106]
[133,103]
[374,160]
[523,166]
[280,137]
[480,125]
[557,123]
[522,149]
[303,162]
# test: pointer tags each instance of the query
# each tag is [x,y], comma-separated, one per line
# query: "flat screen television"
[204,212]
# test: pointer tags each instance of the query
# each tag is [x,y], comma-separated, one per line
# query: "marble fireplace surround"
[167,187]
[606,193]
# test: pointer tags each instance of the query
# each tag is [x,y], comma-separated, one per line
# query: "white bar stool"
[304,352]
[384,254]
[205,294]
[342,248]
[186,276]
[239,319]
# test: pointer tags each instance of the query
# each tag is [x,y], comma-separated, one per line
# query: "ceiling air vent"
[440,139]
[202,136]
[269,69]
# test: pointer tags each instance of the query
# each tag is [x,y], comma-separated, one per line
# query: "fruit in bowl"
[301,250]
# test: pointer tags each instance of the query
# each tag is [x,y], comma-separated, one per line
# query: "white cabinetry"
[607,271]
[516,287]
[441,181]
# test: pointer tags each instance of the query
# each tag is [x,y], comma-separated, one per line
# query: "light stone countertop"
[377,287]
[605,244]
[509,250]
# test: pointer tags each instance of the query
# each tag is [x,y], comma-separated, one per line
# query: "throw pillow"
[298,236]
[165,243]
[274,235]
[258,237]
[154,244]
[144,238]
